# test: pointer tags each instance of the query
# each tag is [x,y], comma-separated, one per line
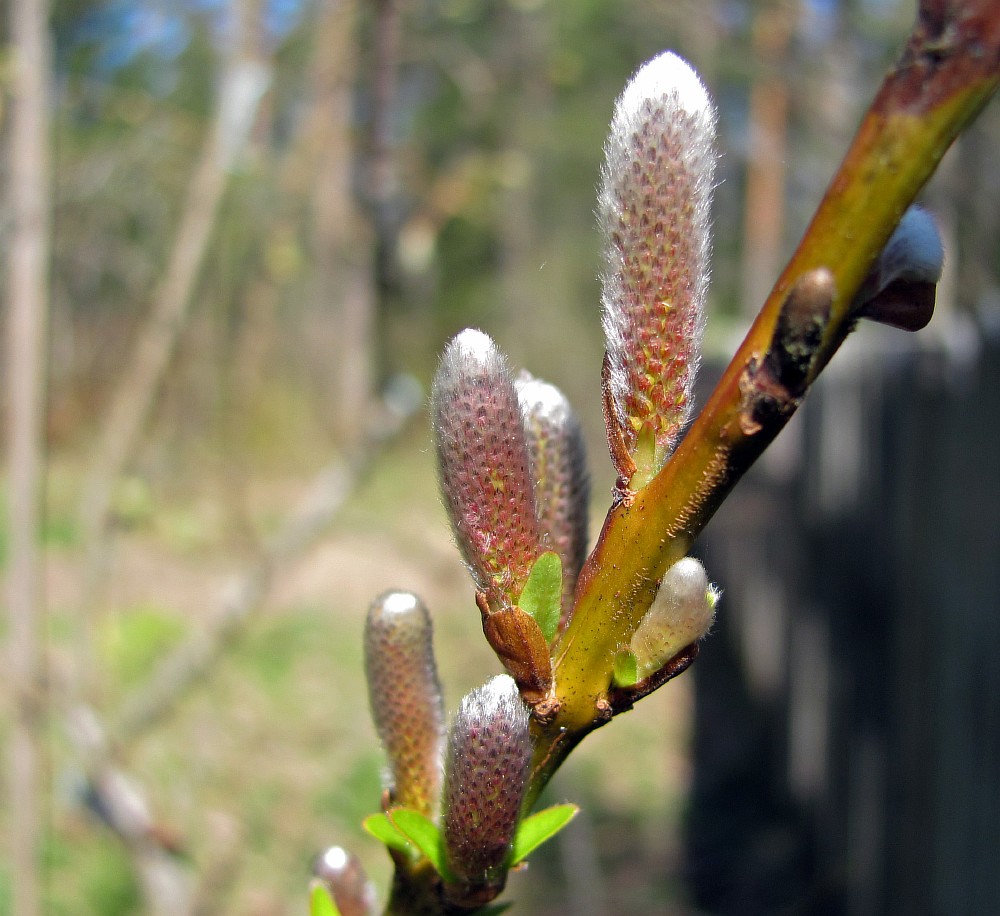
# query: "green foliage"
[626,668]
[542,593]
[409,831]
[537,829]
[385,831]
[134,640]
[321,903]
[88,874]
[424,834]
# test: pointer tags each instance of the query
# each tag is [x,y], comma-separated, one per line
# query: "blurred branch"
[170,886]
[120,802]
[27,278]
[242,84]
[175,676]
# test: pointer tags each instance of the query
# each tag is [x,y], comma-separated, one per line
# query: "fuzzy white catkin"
[654,208]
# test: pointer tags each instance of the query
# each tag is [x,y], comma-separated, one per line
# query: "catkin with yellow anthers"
[559,464]
[484,466]
[654,209]
[681,613]
[489,752]
[405,698]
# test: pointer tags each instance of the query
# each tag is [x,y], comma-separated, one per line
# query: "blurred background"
[267,217]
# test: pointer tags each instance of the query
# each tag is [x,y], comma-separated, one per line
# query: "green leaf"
[385,831]
[321,903]
[494,909]
[535,830]
[424,834]
[542,593]
[626,668]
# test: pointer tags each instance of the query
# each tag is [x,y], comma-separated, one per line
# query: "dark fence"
[847,749]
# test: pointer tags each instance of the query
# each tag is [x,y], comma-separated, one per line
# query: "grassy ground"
[273,755]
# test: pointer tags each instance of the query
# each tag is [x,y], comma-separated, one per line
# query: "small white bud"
[681,613]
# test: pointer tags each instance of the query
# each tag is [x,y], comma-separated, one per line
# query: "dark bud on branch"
[901,288]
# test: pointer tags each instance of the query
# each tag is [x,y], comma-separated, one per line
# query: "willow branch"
[948,71]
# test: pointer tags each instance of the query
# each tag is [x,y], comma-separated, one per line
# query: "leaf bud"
[901,287]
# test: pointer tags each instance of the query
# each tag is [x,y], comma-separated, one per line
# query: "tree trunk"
[764,218]
[28,264]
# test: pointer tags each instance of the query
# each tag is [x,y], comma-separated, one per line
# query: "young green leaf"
[542,826]
[424,834]
[542,594]
[626,668]
[385,831]
[320,902]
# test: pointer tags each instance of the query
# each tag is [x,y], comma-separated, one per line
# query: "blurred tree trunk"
[353,232]
[27,277]
[243,80]
[764,216]
[340,237]
[519,59]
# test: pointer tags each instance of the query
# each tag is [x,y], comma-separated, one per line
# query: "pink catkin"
[484,466]
[559,464]
[405,697]
[655,207]
[489,753]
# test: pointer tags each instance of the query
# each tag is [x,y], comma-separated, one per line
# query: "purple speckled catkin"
[489,752]
[654,207]
[484,466]
[559,463]
[405,697]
